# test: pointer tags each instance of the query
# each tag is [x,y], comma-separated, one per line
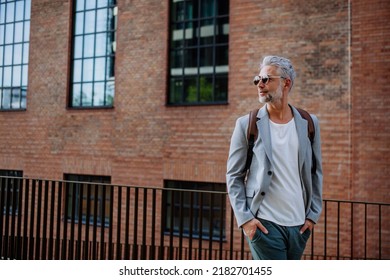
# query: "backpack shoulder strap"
[310,124]
[251,136]
[310,134]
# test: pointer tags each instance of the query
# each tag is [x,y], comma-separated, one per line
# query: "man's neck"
[279,113]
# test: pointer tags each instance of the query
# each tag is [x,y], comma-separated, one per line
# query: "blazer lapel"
[264,131]
[301,125]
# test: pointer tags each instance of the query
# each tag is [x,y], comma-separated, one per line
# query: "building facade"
[146,93]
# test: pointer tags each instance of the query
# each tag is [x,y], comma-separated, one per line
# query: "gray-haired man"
[281,200]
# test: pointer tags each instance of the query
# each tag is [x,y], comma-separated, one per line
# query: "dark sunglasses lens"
[257,79]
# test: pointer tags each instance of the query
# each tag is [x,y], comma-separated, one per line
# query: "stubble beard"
[272,96]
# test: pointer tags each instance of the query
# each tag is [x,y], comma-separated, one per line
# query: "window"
[93,57]
[199,36]
[9,190]
[92,206]
[191,208]
[14,46]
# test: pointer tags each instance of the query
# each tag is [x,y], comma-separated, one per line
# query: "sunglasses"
[264,79]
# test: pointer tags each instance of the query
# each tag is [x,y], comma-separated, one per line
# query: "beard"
[272,96]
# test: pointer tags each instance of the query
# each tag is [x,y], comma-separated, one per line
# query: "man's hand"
[308,225]
[251,226]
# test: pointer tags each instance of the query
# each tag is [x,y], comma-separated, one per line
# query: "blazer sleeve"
[235,176]
[317,176]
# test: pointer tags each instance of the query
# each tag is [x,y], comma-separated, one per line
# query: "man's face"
[271,89]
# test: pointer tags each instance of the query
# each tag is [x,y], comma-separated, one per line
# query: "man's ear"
[287,83]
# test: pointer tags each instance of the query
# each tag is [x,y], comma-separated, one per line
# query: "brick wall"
[370,132]
[342,77]
[340,50]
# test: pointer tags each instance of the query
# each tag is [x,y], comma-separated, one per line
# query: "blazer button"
[269,173]
[263,193]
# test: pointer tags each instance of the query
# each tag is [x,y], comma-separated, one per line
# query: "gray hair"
[283,64]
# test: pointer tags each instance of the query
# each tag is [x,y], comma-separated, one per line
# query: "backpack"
[252,136]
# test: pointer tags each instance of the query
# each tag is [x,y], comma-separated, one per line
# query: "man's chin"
[265,99]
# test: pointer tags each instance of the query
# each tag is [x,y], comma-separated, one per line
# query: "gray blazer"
[246,197]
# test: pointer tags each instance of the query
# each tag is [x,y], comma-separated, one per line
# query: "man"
[279,203]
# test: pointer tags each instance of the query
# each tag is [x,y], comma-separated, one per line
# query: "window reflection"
[94,54]
[14,48]
[199,51]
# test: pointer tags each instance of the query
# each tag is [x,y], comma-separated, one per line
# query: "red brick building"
[176,76]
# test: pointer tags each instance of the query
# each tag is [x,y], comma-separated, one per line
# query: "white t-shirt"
[283,203]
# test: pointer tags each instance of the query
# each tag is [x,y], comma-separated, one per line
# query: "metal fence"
[46,219]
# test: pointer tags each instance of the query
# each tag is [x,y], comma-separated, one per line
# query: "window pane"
[89,45]
[221,88]
[24,76]
[98,94]
[9,33]
[19,11]
[101,44]
[25,52]
[90,4]
[177,59]
[77,66]
[222,35]
[206,89]
[207,32]
[110,71]
[10,12]
[87,94]
[2,34]
[102,21]
[79,23]
[102,3]
[18,32]
[16,76]
[99,69]
[176,90]
[2,13]
[76,94]
[80,5]
[7,76]
[206,57]
[90,21]
[191,89]
[6,98]
[15,98]
[27,11]
[222,55]
[18,54]
[207,8]
[87,70]
[78,47]
[26,31]
[8,55]
[23,98]
[110,89]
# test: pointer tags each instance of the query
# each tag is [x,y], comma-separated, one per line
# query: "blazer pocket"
[250,194]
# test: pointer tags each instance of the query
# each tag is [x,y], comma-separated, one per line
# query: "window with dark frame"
[93,56]
[91,206]
[9,190]
[191,209]
[14,51]
[199,52]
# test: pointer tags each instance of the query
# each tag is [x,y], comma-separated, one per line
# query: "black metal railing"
[46,219]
